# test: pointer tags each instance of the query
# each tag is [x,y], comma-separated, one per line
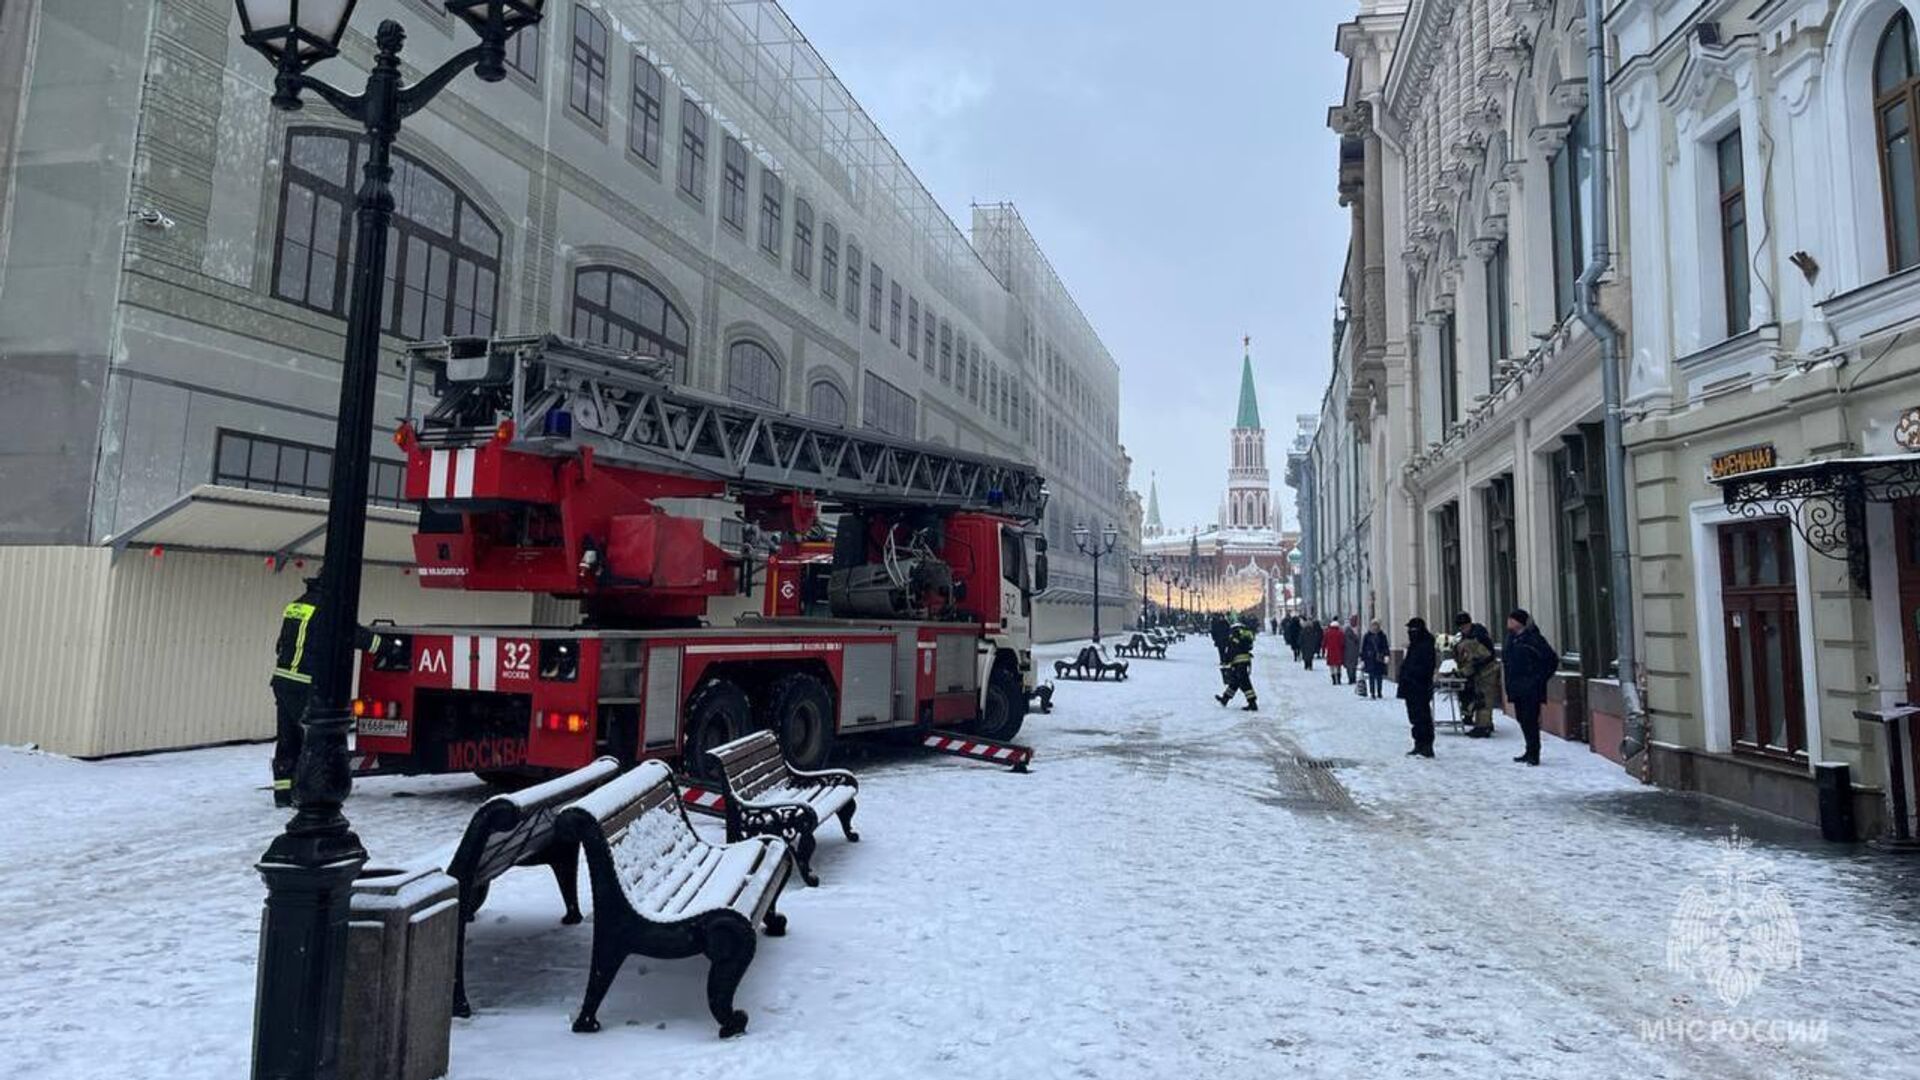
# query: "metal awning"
[236,521]
[1827,500]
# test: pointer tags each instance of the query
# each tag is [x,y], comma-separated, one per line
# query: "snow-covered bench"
[512,830]
[659,890]
[768,797]
[1140,645]
[1090,664]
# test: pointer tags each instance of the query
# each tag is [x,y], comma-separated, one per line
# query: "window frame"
[604,309]
[876,295]
[380,472]
[855,264]
[525,45]
[913,328]
[404,228]
[1735,272]
[1904,93]
[1498,271]
[802,239]
[845,407]
[739,391]
[316,187]
[648,112]
[733,183]
[691,170]
[1565,216]
[830,262]
[773,208]
[593,106]
[1449,365]
[888,409]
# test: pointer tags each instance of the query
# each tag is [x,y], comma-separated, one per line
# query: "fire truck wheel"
[802,717]
[1006,707]
[717,713]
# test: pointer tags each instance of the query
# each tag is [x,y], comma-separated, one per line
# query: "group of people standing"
[1524,664]
[1347,651]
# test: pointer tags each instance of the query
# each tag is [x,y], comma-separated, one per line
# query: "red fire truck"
[547,466]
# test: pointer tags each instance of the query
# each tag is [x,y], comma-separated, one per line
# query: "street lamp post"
[1146,566]
[1094,549]
[310,867]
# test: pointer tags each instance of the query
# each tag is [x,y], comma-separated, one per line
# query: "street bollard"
[397,1020]
[1896,745]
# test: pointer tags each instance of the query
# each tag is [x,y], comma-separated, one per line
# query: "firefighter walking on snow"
[1240,668]
[293,662]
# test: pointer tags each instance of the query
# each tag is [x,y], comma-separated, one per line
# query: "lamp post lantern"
[1095,550]
[310,867]
[1147,566]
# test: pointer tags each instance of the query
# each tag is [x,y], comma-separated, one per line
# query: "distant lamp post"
[1147,566]
[310,867]
[1095,550]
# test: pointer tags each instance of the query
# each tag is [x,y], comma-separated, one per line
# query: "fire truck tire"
[1006,707]
[717,713]
[802,718]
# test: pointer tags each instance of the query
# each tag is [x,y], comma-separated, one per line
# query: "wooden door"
[1761,615]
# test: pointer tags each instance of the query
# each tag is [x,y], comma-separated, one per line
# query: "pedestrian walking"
[1352,654]
[1335,644]
[1221,631]
[1529,661]
[1416,685]
[1240,668]
[1290,633]
[1479,674]
[1310,639]
[1374,649]
[1274,626]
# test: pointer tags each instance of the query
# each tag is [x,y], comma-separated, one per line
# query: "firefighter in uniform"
[1240,668]
[293,684]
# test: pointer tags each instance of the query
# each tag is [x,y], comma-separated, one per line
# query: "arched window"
[827,403]
[1896,98]
[753,375]
[613,307]
[443,255]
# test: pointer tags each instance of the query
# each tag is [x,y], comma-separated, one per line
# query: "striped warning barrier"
[703,800]
[998,753]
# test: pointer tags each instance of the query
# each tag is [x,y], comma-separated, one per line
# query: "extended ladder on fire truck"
[561,394]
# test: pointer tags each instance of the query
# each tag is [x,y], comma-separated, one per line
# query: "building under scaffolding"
[685,177]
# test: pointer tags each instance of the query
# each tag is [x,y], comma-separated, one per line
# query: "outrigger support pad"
[999,753]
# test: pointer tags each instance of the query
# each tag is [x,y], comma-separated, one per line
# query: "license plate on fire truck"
[381,727]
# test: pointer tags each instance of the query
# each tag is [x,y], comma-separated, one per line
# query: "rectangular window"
[733,183]
[874,295]
[1499,311]
[693,149]
[829,260]
[1733,233]
[976,375]
[853,281]
[946,351]
[523,52]
[894,304]
[1449,372]
[587,94]
[913,330]
[927,348]
[887,409]
[773,201]
[260,463]
[643,123]
[1566,176]
[802,239]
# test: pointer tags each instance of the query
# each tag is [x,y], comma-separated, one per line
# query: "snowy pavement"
[1176,888]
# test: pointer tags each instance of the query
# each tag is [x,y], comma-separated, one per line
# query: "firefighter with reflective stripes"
[1240,668]
[293,662]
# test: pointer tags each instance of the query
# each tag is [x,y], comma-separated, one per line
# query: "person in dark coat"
[1221,631]
[1374,650]
[1311,637]
[1352,653]
[1290,633]
[1529,663]
[1416,685]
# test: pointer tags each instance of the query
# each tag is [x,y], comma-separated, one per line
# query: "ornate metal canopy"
[1826,501]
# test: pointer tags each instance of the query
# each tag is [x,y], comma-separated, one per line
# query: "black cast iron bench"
[659,890]
[1090,664]
[516,829]
[766,796]
[1140,646]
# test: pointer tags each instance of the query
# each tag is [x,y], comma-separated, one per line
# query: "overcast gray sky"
[1173,160]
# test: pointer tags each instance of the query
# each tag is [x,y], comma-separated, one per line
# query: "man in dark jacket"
[1290,633]
[1529,662]
[1416,685]
[1311,636]
[293,666]
[1374,651]
[1221,631]
[1240,668]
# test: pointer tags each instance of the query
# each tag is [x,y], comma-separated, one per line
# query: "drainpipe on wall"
[1587,303]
